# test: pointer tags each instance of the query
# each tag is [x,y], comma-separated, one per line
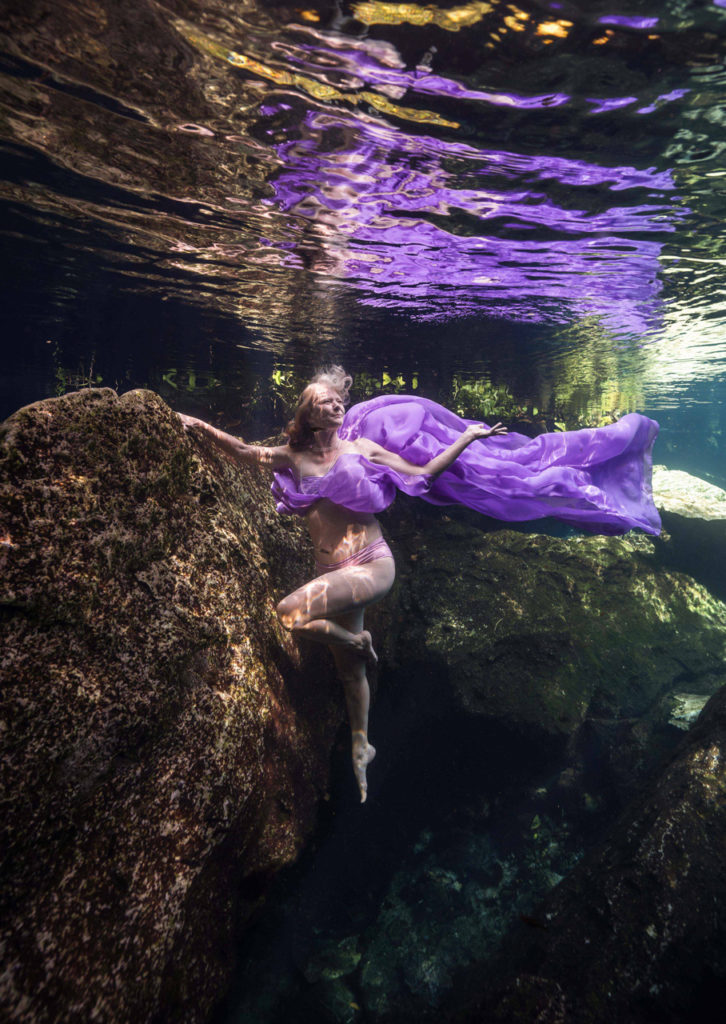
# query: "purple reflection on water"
[405,220]
[623,21]
[400,81]
[499,163]
[350,65]
[269,109]
[666,97]
[602,106]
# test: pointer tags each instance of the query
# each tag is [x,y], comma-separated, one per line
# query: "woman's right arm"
[236,448]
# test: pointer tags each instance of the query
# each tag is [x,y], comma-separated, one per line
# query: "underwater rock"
[164,742]
[447,906]
[680,493]
[546,668]
[686,707]
[535,634]
[637,932]
[694,518]
[332,1001]
[335,960]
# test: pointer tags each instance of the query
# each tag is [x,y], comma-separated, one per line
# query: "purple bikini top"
[597,479]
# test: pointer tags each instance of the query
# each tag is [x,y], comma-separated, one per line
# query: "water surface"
[199,195]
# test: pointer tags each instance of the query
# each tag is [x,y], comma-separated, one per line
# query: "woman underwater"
[338,470]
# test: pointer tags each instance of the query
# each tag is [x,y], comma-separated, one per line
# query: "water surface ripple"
[305,172]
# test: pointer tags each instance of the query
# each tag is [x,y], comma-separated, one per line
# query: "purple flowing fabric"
[598,479]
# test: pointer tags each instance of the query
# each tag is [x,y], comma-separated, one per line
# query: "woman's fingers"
[188,421]
[477,430]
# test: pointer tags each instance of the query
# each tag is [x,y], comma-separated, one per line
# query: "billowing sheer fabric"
[597,479]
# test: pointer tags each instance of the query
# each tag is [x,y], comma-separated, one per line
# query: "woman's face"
[326,408]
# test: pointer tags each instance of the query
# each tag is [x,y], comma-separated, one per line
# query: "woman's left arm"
[382,457]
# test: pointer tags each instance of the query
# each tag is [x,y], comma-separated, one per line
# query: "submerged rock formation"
[163,744]
[694,521]
[557,658]
[540,633]
[637,932]
[527,691]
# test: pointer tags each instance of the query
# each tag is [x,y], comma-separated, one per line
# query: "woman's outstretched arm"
[382,457]
[236,448]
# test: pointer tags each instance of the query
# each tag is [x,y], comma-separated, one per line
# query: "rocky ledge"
[694,521]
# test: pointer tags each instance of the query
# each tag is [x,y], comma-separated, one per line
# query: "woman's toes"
[363,754]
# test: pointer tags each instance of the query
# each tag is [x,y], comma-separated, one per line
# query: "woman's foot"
[364,645]
[363,754]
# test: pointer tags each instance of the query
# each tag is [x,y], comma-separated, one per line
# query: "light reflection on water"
[536,189]
[392,226]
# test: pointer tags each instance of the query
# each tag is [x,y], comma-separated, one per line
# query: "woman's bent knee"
[288,613]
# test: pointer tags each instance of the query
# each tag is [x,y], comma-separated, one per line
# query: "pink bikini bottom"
[378,549]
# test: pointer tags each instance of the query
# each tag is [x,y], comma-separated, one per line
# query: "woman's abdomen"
[337,533]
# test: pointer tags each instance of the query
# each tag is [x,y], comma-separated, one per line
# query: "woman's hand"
[190,421]
[475,431]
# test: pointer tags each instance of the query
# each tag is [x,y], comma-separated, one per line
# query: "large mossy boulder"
[163,745]
[539,633]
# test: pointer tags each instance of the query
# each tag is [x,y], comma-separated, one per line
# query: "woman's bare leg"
[316,608]
[352,673]
[329,609]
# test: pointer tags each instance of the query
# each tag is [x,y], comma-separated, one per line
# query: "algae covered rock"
[448,905]
[162,741]
[537,633]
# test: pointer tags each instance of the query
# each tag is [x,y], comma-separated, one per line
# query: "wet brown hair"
[299,432]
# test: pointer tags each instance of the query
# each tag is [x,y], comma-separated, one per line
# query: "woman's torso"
[336,532]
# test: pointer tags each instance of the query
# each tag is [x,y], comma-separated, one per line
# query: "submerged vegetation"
[469,396]
[272,400]
[67,379]
[480,399]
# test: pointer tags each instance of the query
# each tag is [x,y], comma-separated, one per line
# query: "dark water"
[198,195]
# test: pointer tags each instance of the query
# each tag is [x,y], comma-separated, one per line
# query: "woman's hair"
[299,432]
